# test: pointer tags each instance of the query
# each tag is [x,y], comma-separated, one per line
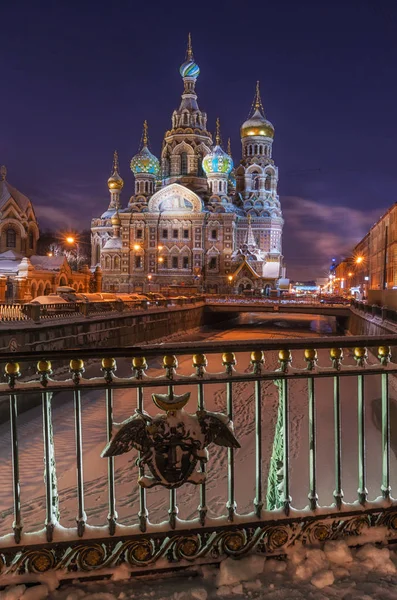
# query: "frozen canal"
[94,438]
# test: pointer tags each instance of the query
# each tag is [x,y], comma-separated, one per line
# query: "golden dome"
[257,125]
[115,182]
[115,220]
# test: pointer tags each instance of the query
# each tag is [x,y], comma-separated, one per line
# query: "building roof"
[47,263]
[7,191]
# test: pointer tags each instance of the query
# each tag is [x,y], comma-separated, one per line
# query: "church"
[195,220]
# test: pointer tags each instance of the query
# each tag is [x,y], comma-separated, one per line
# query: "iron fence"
[171,450]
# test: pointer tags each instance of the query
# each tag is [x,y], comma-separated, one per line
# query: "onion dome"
[189,68]
[115,220]
[257,124]
[145,161]
[217,161]
[115,182]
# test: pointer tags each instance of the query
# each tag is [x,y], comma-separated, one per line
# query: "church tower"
[186,144]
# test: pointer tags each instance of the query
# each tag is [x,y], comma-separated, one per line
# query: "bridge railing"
[244,401]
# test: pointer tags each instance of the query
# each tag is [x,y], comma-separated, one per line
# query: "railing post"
[311,359]
[257,360]
[384,355]
[139,366]
[77,369]
[229,360]
[109,366]
[199,363]
[360,355]
[52,505]
[336,355]
[12,373]
[170,364]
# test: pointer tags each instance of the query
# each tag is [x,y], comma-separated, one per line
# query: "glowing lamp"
[70,239]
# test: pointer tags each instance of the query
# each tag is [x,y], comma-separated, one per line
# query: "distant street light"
[70,239]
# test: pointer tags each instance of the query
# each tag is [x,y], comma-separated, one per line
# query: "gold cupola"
[115,182]
[257,124]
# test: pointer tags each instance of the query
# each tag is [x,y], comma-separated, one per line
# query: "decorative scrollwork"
[91,557]
[277,538]
[39,561]
[140,552]
[188,547]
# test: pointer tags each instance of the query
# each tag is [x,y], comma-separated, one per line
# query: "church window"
[185,262]
[255,183]
[213,263]
[11,238]
[166,167]
[31,240]
[260,149]
[184,163]
[165,234]
[146,186]
[139,234]
[267,182]
[107,262]
[200,170]
[185,234]
[256,149]
[138,262]
[164,264]
[98,254]
[174,262]
[116,262]
[214,234]
[175,234]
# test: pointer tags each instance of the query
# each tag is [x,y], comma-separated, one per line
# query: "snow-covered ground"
[94,439]
[336,571]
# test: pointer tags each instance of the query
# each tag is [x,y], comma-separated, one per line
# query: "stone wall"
[116,330]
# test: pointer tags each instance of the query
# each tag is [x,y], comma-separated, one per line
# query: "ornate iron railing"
[171,450]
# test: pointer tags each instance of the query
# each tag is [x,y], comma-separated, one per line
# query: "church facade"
[195,220]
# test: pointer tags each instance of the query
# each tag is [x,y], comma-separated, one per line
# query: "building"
[23,273]
[371,270]
[194,219]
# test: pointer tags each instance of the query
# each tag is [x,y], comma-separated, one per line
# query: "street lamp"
[359,260]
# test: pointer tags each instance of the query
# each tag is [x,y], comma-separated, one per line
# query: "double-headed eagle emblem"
[171,445]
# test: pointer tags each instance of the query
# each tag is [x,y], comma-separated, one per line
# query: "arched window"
[200,171]
[31,240]
[147,187]
[98,254]
[11,238]
[256,149]
[255,183]
[107,262]
[260,149]
[183,163]
[116,263]
[166,167]
[268,183]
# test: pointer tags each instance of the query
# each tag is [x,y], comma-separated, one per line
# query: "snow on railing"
[238,450]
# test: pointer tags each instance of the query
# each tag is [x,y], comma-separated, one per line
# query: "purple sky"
[78,79]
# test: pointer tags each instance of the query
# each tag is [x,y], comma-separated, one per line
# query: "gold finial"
[115,162]
[3,172]
[189,51]
[218,132]
[257,101]
[229,148]
[249,218]
[145,136]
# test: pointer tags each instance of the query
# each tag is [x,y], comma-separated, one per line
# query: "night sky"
[79,78]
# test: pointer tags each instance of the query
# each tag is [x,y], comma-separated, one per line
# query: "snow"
[369,573]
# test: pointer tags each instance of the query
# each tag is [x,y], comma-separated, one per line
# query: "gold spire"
[257,100]
[229,148]
[115,162]
[189,51]
[145,136]
[218,132]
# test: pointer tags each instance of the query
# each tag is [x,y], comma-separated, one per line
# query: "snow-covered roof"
[113,243]
[47,263]
[7,191]
[271,270]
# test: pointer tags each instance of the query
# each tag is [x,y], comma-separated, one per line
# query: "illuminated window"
[213,263]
